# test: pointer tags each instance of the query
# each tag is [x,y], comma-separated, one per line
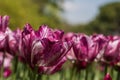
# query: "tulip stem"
[39,77]
[15,67]
[112,70]
[79,73]
[71,73]
[61,75]
[105,71]
[86,74]
[48,78]
[118,75]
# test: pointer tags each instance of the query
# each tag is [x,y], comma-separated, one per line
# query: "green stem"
[48,78]
[112,70]
[39,77]
[71,73]
[61,75]
[93,75]
[105,71]
[86,74]
[16,73]
[118,75]
[79,74]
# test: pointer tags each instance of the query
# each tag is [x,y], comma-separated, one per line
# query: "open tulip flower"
[43,48]
[102,43]
[107,77]
[112,49]
[85,48]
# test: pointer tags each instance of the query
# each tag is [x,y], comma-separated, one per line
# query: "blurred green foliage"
[27,11]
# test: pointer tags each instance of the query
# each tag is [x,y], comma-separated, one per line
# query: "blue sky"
[82,11]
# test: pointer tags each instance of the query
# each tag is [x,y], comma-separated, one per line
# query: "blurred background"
[88,16]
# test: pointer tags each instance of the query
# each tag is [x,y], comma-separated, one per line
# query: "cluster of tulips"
[45,50]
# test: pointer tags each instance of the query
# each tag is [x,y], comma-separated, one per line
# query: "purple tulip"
[28,35]
[107,77]
[7,72]
[85,48]
[112,49]
[43,47]
[13,39]
[102,42]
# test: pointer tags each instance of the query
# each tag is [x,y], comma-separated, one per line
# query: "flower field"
[51,54]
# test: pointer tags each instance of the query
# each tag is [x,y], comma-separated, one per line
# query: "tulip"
[13,39]
[102,43]
[112,49]
[7,72]
[107,77]
[85,48]
[43,47]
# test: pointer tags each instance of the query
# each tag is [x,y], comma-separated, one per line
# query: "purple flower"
[7,72]
[85,48]
[102,42]
[43,47]
[112,49]
[107,77]
[13,40]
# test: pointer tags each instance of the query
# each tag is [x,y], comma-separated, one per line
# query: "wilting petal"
[107,77]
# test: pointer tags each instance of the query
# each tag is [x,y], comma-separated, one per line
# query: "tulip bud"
[107,77]
[4,23]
